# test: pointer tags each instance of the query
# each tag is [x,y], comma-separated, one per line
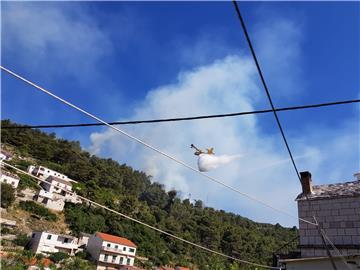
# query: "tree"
[7,195]
[76,263]
[58,256]
[21,239]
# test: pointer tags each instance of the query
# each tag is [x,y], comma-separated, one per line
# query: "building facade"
[43,172]
[9,178]
[46,242]
[50,200]
[56,185]
[110,251]
[336,208]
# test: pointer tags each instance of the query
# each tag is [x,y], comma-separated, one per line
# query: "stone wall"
[339,218]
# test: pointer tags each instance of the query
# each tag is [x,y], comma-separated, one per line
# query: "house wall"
[49,200]
[43,172]
[339,218]
[94,247]
[9,180]
[324,264]
[109,253]
[41,244]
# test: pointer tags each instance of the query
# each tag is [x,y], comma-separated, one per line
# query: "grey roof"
[57,179]
[346,189]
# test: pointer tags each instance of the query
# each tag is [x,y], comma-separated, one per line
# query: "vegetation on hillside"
[7,195]
[134,193]
[37,209]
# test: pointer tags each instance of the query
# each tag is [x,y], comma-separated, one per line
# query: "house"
[47,242]
[4,155]
[83,241]
[43,173]
[337,211]
[50,200]
[9,178]
[56,185]
[110,251]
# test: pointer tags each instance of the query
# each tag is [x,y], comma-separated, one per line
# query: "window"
[33,235]
[121,260]
[66,240]
[109,245]
[131,250]
[128,261]
[116,246]
[49,237]
[114,259]
[124,248]
[105,257]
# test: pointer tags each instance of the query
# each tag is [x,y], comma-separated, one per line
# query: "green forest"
[137,194]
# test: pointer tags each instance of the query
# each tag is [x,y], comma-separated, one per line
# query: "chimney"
[306,182]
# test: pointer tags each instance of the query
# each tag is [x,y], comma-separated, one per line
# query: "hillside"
[134,193]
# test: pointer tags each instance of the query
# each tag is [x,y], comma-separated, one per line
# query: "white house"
[43,173]
[56,185]
[5,156]
[9,178]
[50,200]
[110,251]
[46,242]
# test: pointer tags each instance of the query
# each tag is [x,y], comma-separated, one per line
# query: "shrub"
[58,256]
[37,209]
[21,239]
[27,181]
[7,195]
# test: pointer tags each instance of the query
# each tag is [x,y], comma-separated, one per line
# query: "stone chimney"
[306,182]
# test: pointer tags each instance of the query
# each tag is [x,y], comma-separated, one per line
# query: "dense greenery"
[58,256]
[37,209]
[7,195]
[134,193]
[22,239]
[27,182]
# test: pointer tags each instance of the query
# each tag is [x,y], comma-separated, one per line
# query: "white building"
[9,178]
[43,173]
[56,185]
[50,200]
[5,156]
[46,242]
[110,251]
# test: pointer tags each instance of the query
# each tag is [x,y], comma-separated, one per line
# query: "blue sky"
[123,60]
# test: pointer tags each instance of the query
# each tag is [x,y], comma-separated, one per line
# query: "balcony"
[114,250]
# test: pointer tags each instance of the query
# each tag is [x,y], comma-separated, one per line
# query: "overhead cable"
[145,224]
[154,148]
[265,86]
[176,119]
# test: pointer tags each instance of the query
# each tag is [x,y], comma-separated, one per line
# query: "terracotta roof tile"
[115,239]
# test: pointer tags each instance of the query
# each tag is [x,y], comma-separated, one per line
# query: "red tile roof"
[115,239]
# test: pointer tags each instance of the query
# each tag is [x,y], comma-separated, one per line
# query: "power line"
[154,148]
[187,118]
[265,86]
[145,224]
[336,249]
